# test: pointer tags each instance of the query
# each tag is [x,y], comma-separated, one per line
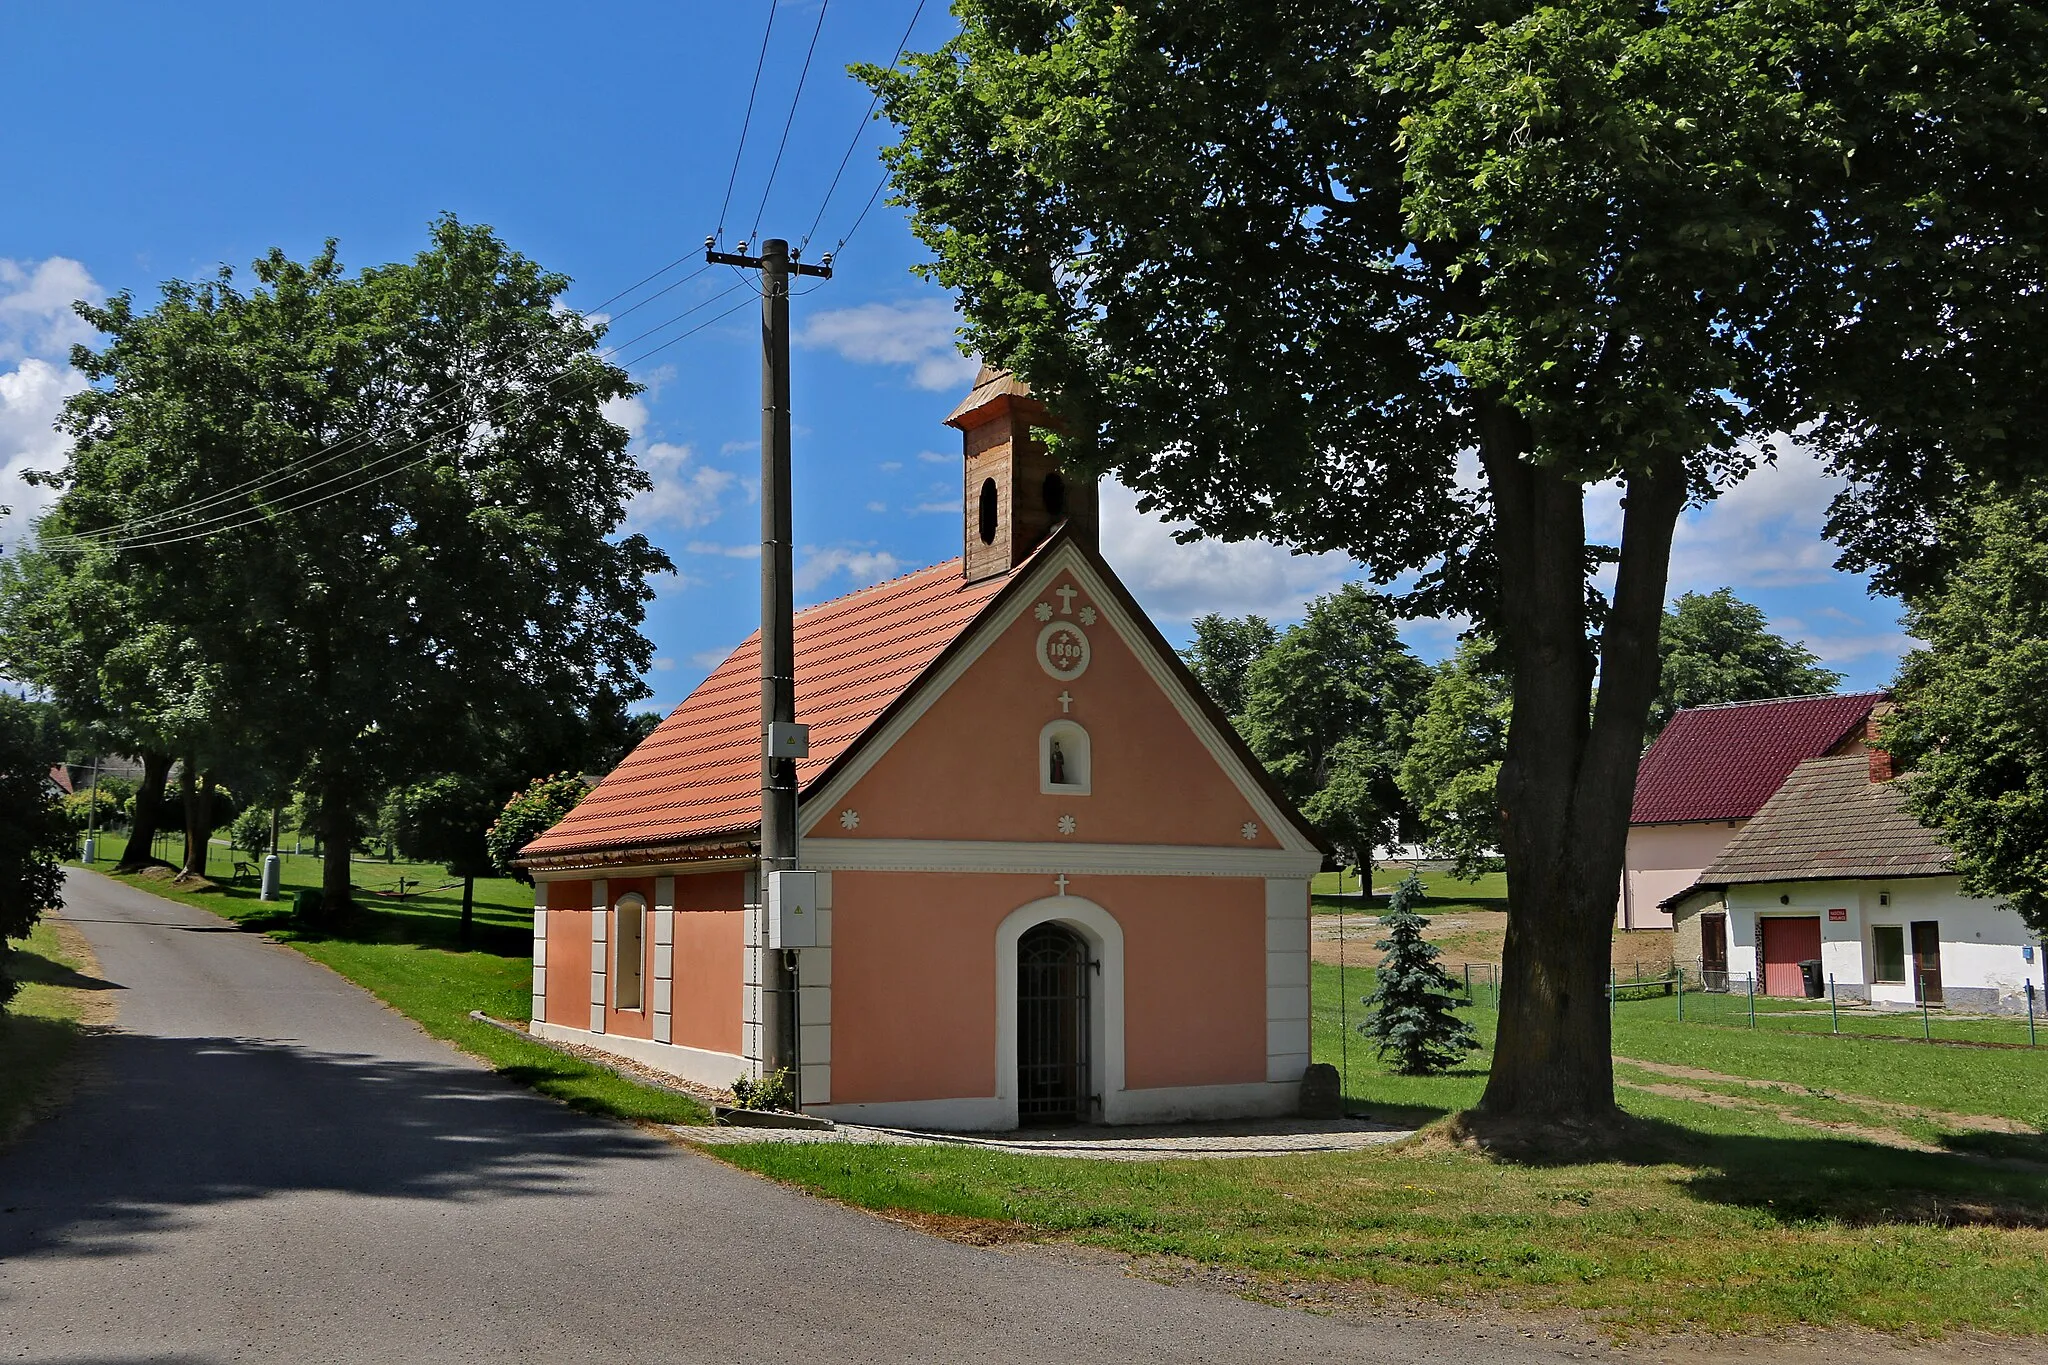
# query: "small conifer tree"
[1411,1018]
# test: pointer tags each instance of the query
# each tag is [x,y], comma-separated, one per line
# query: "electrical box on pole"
[792,910]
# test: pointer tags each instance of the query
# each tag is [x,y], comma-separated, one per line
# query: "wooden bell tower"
[1015,492]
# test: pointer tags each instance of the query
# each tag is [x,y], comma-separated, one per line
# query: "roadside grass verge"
[61,994]
[1859,1192]
[411,956]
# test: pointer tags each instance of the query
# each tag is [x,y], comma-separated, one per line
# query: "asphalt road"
[270,1165]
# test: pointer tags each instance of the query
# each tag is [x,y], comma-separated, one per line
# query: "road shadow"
[167,1126]
[31,968]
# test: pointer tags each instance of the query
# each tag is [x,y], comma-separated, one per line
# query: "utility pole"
[781,743]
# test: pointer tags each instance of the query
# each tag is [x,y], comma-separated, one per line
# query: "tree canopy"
[1283,269]
[1326,708]
[1716,649]
[1973,706]
[1451,771]
[329,514]
[1222,654]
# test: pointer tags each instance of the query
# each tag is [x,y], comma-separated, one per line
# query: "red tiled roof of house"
[698,775]
[1725,762]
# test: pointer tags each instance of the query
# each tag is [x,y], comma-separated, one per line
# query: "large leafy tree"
[1450,773]
[1716,649]
[438,522]
[1326,709]
[1973,712]
[35,833]
[1222,654]
[1283,267]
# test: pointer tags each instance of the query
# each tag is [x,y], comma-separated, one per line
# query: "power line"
[298,502]
[748,120]
[795,98]
[862,127]
[138,534]
[346,444]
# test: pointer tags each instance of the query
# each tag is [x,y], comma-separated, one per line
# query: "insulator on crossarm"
[710,240]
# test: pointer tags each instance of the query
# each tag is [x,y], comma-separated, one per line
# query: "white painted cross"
[1066,702]
[1061,882]
[1066,592]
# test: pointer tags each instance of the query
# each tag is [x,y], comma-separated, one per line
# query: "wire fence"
[1737,1000]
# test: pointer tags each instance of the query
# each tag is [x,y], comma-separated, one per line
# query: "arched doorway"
[1054,980]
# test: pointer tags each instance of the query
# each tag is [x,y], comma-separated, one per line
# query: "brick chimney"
[1015,492]
[1880,757]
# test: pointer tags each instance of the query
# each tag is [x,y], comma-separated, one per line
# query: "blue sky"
[151,141]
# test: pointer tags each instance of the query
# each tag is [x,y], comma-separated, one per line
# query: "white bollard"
[271,877]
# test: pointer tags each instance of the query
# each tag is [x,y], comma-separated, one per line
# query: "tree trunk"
[468,898]
[337,839]
[1568,779]
[149,808]
[198,820]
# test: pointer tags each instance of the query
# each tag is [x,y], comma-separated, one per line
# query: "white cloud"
[932,508]
[878,507]
[709,658]
[35,306]
[918,334]
[37,331]
[685,493]
[712,547]
[1763,533]
[630,413]
[860,566]
[1177,582]
[664,665]
[735,447]
[934,457]
[890,466]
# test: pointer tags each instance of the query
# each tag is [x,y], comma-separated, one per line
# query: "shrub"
[250,831]
[78,809]
[35,833]
[530,814]
[776,1090]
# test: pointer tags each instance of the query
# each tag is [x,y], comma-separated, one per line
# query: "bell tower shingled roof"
[1015,493]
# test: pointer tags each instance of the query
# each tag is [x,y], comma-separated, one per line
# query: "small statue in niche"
[1059,766]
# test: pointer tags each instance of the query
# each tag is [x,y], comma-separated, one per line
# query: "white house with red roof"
[1708,774]
[1836,872]
[1054,883]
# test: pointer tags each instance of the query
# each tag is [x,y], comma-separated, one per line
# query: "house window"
[1888,955]
[628,957]
[1065,760]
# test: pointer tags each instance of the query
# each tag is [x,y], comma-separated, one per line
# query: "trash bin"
[306,905]
[1816,985]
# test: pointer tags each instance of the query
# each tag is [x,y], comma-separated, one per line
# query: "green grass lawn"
[410,955]
[1488,891]
[1749,1205]
[40,1025]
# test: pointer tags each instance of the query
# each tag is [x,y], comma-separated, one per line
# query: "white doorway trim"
[1105,939]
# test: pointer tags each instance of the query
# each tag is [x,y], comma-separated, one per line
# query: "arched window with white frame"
[1065,760]
[629,936]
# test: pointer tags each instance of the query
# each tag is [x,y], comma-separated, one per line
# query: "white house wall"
[1984,944]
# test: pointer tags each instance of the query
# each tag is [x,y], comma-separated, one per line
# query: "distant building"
[1834,870]
[1709,772]
[1055,884]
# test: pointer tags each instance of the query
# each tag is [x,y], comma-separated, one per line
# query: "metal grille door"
[1053,971]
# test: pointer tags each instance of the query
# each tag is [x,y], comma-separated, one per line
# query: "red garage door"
[1788,940]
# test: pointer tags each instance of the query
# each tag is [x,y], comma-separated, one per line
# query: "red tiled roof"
[699,774]
[1724,762]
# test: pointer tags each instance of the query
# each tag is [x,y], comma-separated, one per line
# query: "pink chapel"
[1053,885]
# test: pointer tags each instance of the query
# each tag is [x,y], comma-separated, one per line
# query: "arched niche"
[1064,752]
